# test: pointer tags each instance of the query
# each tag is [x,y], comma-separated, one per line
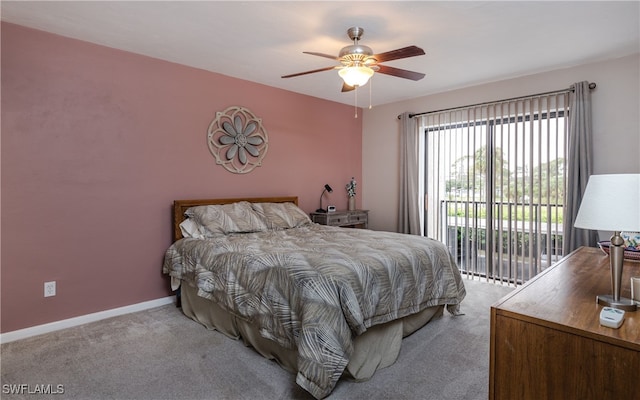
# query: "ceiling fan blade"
[313,53]
[400,73]
[308,72]
[405,52]
[347,88]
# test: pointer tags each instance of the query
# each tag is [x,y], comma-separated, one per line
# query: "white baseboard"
[83,319]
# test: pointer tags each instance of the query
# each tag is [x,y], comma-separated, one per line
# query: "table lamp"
[327,188]
[612,203]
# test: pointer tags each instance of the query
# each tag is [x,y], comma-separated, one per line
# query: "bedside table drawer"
[358,218]
[337,219]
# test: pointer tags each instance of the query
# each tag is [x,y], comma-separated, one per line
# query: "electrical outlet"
[49,289]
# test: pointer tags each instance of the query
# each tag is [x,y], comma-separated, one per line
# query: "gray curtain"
[409,207]
[579,167]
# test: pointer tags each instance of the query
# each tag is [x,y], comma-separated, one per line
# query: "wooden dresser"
[547,342]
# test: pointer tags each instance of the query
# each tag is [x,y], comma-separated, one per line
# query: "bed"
[322,301]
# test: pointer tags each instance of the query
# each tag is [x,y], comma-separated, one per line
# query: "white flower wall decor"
[237,140]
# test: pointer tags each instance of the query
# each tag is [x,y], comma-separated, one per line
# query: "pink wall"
[97,143]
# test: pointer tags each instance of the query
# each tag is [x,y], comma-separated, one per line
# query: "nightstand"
[344,218]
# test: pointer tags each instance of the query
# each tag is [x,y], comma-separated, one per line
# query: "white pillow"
[191,229]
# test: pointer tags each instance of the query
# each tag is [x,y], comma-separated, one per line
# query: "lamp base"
[621,304]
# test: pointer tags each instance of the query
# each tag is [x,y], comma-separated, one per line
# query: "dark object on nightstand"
[327,188]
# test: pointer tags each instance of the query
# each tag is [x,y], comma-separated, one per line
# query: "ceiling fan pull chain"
[370,84]
[355,90]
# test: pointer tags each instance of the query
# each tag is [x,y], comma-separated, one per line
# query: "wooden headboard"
[180,206]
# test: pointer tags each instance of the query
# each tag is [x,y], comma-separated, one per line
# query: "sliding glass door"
[494,184]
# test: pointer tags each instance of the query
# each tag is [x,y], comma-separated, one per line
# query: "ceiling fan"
[358,63]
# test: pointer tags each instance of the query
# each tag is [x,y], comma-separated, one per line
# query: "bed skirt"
[376,348]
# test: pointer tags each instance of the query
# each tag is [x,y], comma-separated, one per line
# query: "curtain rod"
[592,86]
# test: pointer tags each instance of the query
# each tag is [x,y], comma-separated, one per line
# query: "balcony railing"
[524,238]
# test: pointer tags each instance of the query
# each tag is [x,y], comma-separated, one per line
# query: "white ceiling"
[466,43]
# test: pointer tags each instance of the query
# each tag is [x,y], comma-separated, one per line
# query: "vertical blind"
[494,184]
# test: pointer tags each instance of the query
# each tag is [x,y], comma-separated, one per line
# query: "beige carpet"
[160,354]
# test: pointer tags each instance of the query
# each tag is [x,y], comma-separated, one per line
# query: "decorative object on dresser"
[327,188]
[612,203]
[547,341]
[343,218]
[351,192]
[237,140]
[631,240]
[627,255]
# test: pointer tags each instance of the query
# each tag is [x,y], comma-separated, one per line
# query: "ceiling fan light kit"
[355,76]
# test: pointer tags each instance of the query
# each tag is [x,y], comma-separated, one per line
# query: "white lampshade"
[611,203]
[356,76]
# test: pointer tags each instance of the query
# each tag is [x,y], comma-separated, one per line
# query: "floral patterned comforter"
[314,288]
